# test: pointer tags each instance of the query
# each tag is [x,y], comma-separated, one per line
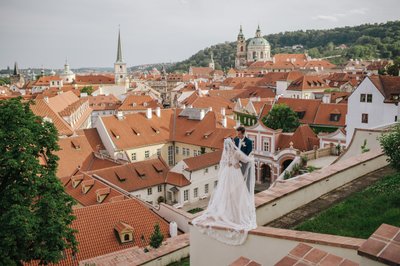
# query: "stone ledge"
[292,185]
[308,237]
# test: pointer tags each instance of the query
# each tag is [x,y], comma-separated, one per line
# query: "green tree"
[390,143]
[282,117]
[87,89]
[157,237]
[4,81]
[394,69]
[35,211]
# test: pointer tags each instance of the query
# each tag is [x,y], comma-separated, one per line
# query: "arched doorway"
[286,163]
[265,174]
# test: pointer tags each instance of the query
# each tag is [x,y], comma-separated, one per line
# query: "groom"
[246,146]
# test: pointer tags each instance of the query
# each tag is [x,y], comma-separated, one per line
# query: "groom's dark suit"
[246,147]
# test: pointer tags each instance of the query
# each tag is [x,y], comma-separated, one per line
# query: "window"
[206,170]
[395,118]
[215,183]
[195,192]
[364,118]
[149,191]
[194,153]
[126,237]
[206,188]
[183,151]
[369,98]
[159,188]
[301,114]
[158,152]
[170,155]
[120,67]
[362,98]
[120,76]
[177,150]
[266,145]
[334,117]
[186,195]
[187,152]
[216,167]
[133,156]
[146,154]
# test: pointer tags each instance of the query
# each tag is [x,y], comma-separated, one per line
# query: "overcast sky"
[45,32]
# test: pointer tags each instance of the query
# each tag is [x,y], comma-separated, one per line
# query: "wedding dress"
[231,205]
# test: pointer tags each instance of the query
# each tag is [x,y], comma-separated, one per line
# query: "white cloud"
[324,17]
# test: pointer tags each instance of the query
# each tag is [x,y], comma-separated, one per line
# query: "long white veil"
[231,211]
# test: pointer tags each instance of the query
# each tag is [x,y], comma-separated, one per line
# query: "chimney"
[237,123]
[223,111]
[224,121]
[273,60]
[149,113]
[158,112]
[210,109]
[173,229]
[120,115]
[202,114]
[184,106]
[46,99]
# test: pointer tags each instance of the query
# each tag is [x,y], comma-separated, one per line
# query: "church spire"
[16,70]
[240,35]
[258,32]
[119,51]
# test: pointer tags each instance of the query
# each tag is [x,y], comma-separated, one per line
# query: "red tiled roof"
[177,179]
[227,94]
[256,91]
[323,116]
[122,132]
[308,83]
[135,176]
[104,102]
[138,102]
[215,102]
[309,106]
[94,79]
[387,85]
[96,228]
[303,139]
[202,161]
[90,197]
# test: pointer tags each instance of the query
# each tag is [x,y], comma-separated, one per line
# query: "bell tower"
[120,72]
[240,59]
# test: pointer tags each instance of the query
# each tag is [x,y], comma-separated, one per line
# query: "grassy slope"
[362,213]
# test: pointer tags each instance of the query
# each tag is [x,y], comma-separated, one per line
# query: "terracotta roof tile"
[135,176]
[308,83]
[94,79]
[325,112]
[96,228]
[202,161]
[304,254]
[310,107]
[177,179]
[138,102]
[303,139]
[388,86]
[257,91]
[104,102]
[122,133]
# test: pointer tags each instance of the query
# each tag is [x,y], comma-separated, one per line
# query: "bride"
[232,204]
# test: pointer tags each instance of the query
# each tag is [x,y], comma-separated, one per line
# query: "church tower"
[240,59]
[211,64]
[120,72]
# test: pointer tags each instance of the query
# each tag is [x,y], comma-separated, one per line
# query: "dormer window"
[76,180]
[124,232]
[102,193]
[334,117]
[87,185]
[133,104]
[301,114]
[76,144]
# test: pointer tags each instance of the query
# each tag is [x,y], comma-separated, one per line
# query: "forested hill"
[366,41]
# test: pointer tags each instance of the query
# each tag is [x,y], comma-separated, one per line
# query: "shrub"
[390,143]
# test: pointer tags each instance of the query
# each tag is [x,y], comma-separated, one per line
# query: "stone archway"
[265,177]
[285,164]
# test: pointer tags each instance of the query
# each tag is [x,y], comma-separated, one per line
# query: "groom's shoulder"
[248,139]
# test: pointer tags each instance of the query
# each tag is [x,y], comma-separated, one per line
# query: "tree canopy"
[366,41]
[281,117]
[87,89]
[390,143]
[35,211]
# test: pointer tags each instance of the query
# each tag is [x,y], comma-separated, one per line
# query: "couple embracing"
[231,205]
